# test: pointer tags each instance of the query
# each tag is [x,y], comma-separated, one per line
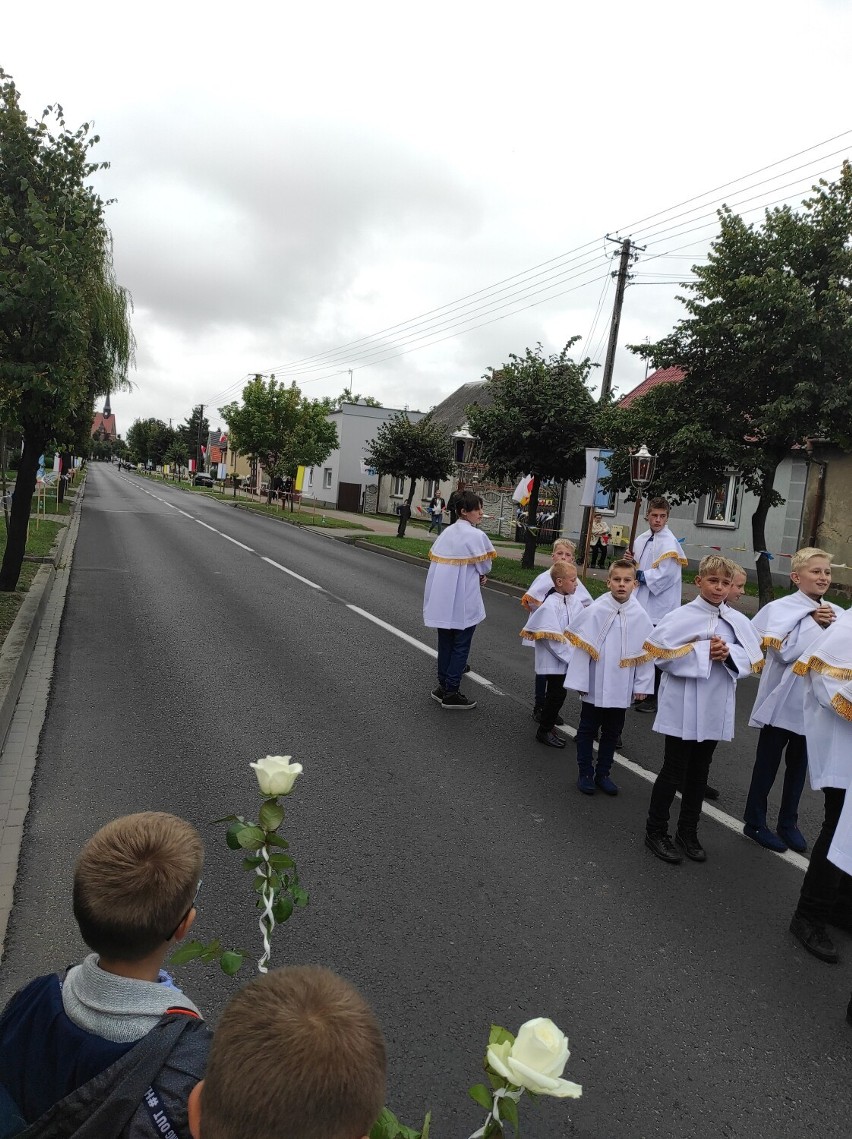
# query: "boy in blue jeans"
[610,668]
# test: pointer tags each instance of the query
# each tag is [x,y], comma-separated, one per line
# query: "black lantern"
[642,466]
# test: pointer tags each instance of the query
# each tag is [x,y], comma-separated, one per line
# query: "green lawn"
[40,544]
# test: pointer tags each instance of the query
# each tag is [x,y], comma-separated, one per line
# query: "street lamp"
[642,465]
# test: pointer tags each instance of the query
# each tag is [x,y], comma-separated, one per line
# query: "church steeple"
[107,409]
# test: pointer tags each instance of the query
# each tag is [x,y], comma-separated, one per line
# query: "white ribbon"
[267,921]
[500,1093]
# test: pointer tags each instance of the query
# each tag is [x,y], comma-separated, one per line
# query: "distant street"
[456,875]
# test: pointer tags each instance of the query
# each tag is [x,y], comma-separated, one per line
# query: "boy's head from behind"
[810,570]
[135,882]
[297,1052]
[621,579]
[564,577]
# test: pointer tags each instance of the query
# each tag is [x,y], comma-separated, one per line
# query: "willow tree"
[65,335]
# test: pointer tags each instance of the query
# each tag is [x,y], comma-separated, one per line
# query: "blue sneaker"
[794,838]
[586,784]
[765,837]
[606,785]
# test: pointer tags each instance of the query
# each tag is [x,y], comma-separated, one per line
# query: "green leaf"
[277,840]
[231,962]
[509,1111]
[300,896]
[271,815]
[232,835]
[281,861]
[386,1126]
[427,1123]
[480,1094]
[282,909]
[252,861]
[228,819]
[251,838]
[499,1035]
[186,952]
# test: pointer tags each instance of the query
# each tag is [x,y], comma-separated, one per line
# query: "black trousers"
[826,891]
[686,764]
[554,698]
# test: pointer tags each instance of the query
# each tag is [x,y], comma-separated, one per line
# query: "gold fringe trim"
[628,661]
[757,667]
[772,643]
[842,706]
[681,560]
[656,653]
[800,668]
[462,561]
[543,637]
[579,643]
[529,597]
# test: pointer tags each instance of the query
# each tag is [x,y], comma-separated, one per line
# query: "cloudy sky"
[415,191]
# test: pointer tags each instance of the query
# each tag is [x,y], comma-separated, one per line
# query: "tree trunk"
[766,592]
[16,536]
[531,535]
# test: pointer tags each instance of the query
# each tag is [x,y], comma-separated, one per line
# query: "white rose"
[276,774]
[536,1060]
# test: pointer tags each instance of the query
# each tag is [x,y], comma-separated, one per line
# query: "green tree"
[64,322]
[279,427]
[765,346]
[149,440]
[193,433]
[407,450]
[177,454]
[541,419]
[347,396]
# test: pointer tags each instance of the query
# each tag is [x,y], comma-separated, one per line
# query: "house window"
[398,487]
[605,501]
[310,476]
[721,506]
[326,479]
[430,488]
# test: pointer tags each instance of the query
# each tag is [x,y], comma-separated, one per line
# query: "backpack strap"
[103,1107]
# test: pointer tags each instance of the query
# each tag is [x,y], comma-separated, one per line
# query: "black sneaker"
[711,793]
[663,847]
[457,702]
[537,711]
[815,939]
[649,705]
[439,693]
[691,847]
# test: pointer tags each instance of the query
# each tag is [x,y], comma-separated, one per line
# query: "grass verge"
[39,545]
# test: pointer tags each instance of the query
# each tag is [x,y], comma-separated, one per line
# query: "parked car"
[203,480]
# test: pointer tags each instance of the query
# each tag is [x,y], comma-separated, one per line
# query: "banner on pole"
[597,468]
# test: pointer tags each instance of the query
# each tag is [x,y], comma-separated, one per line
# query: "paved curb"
[17,651]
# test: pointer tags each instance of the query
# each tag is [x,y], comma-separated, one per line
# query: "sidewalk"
[747,604]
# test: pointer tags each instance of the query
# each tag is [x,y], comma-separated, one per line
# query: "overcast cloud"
[291,180]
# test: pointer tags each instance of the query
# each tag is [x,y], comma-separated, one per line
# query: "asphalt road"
[456,875]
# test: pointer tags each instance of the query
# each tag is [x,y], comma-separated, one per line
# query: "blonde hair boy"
[297,1052]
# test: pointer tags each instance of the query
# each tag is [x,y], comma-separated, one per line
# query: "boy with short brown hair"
[702,654]
[70,1041]
[297,1052]
[545,631]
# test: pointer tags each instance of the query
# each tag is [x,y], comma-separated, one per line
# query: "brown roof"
[104,423]
[661,376]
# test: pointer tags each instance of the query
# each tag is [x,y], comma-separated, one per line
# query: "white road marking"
[291,573]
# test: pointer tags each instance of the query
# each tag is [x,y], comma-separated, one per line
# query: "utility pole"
[609,365]
[198,445]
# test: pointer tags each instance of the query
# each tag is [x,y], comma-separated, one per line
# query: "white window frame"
[310,476]
[398,486]
[326,478]
[730,516]
[431,487]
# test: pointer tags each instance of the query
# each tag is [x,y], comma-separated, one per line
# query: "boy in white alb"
[562,551]
[545,630]
[460,561]
[609,668]
[702,655]
[789,628]
[826,894]
[659,561]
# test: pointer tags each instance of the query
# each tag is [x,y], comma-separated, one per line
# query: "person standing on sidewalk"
[436,514]
[659,562]
[826,894]
[460,561]
[600,541]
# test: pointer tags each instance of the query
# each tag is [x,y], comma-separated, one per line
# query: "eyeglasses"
[192,906]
